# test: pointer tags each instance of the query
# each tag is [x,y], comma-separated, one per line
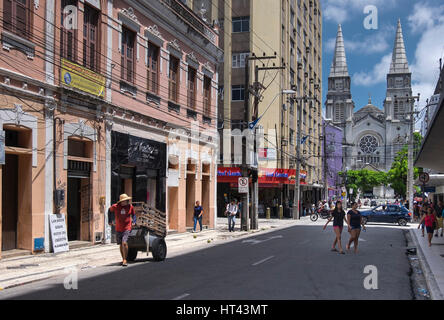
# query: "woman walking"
[430,223]
[354,221]
[338,217]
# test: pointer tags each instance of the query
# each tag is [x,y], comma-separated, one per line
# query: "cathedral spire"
[399,58]
[339,66]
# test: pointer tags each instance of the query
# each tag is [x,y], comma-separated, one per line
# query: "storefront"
[272,183]
[138,169]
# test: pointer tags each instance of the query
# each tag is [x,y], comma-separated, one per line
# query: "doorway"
[9,202]
[74,209]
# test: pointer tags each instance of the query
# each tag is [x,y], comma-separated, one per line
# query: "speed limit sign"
[243,185]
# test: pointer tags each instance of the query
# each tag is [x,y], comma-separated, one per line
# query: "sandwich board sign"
[59,235]
[243,185]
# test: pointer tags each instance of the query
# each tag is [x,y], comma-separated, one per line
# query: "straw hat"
[124,197]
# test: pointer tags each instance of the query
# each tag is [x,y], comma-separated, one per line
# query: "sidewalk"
[432,261]
[27,269]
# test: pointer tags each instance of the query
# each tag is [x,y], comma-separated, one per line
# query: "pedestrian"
[354,222]
[430,223]
[198,212]
[231,212]
[124,217]
[338,216]
[439,208]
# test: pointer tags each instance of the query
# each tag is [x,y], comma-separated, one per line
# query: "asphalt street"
[293,263]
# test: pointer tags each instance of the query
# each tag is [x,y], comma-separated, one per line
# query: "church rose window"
[368,144]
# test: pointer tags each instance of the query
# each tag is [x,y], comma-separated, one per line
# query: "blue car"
[388,214]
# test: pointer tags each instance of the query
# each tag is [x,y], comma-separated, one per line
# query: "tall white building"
[372,136]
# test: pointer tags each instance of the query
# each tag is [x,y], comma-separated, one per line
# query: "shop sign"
[83,79]
[59,235]
[2,147]
[243,185]
[430,189]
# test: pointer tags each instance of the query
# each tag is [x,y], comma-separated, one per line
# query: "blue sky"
[369,51]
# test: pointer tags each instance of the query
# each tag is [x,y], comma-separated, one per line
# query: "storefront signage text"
[59,235]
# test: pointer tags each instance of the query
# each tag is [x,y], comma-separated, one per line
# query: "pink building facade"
[103,97]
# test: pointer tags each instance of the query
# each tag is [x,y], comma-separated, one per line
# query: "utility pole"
[297,192]
[245,167]
[411,144]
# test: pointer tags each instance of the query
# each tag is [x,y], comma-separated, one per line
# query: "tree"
[397,175]
[364,180]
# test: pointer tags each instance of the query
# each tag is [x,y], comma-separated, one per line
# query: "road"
[292,263]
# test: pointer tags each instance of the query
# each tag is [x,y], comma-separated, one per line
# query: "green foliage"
[397,175]
[364,180]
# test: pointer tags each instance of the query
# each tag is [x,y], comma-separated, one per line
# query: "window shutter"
[7,15]
[21,15]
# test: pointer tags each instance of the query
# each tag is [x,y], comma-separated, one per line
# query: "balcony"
[191,18]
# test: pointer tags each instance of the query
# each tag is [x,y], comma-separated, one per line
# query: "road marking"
[181,297]
[254,241]
[262,261]
[361,239]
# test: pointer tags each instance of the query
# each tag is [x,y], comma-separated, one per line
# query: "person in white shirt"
[231,212]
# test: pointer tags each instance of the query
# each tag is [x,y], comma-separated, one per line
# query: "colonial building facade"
[102,97]
[372,136]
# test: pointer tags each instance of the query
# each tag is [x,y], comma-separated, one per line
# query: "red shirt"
[429,219]
[123,216]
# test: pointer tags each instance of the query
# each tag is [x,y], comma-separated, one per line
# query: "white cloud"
[425,17]
[377,42]
[375,76]
[430,48]
[340,11]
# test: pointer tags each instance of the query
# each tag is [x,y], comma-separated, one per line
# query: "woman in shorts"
[338,217]
[354,221]
[429,219]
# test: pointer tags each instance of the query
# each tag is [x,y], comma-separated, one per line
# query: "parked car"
[388,214]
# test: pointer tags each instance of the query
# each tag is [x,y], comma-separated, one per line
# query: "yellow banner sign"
[81,78]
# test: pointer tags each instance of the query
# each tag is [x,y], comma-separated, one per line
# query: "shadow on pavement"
[300,266]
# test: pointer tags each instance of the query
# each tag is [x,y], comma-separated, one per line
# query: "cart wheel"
[159,249]
[132,254]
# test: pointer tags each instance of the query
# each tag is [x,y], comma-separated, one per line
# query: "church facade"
[372,136]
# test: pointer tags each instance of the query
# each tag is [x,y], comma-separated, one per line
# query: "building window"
[17,17]
[68,37]
[368,144]
[207,96]
[153,68]
[127,51]
[173,76]
[238,93]
[90,38]
[241,24]
[191,88]
[292,137]
[238,60]
[339,113]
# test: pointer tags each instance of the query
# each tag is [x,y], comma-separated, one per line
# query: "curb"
[435,292]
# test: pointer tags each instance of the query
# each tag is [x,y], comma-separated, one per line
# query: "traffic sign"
[243,185]
[424,177]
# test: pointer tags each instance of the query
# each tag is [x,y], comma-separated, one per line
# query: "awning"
[431,154]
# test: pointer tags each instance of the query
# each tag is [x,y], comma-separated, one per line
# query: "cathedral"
[372,136]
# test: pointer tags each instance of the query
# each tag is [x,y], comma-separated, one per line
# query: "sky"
[369,51]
